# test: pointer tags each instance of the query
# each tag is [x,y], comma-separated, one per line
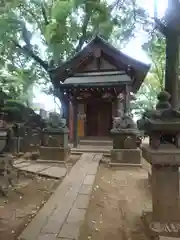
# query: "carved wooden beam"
[97,55]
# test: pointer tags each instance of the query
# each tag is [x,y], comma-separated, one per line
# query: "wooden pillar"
[67,115]
[65,109]
[127,99]
[75,124]
[120,105]
[71,121]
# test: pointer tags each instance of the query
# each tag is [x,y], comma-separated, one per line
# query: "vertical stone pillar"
[43,113]
[75,124]
[165,193]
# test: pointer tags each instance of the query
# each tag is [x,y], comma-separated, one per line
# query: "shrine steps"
[83,149]
[97,142]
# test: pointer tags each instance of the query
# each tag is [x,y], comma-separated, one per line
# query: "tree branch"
[161,27]
[44,14]
[84,30]
[31,54]
[117,4]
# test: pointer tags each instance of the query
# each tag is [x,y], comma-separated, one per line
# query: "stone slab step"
[54,172]
[124,164]
[42,169]
[96,142]
[89,150]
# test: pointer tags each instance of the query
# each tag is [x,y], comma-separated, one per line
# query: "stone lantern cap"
[164,118]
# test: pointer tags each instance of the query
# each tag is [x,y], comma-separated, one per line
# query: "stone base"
[31,148]
[126,156]
[166,155]
[156,229]
[110,164]
[54,153]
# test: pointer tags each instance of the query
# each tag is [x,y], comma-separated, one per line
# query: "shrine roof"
[97,79]
[121,61]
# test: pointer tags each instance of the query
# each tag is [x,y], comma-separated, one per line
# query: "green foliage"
[52,31]
[154,82]
[36,35]
[16,111]
[156,49]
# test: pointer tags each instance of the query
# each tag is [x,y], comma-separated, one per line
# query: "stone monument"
[7,171]
[33,129]
[163,153]
[18,139]
[54,145]
[125,148]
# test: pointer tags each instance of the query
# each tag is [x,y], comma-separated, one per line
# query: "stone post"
[165,188]
[163,153]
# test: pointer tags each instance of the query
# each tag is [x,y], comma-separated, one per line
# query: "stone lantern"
[163,153]
[125,135]
[54,145]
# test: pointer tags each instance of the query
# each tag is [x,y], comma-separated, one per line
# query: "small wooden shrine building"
[94,84]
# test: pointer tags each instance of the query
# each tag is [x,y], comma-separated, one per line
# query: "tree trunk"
[172,68]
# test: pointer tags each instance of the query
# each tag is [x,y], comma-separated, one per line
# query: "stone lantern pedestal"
[31,140]
[163,153]
[125,150]
[55,145]
[164,220]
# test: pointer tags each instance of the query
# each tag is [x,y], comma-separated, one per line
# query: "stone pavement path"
[62,216]
[45,169]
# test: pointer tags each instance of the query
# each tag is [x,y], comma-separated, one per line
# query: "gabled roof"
[117,57]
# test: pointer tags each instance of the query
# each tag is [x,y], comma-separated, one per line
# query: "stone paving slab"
[168,238]
[47,237]
[45,169]
[20,160]
[82,201]
[35,167]
[60,217]
[85,189]
[89,179]
[21,164]
[76,215]
[56,171]
[70,231]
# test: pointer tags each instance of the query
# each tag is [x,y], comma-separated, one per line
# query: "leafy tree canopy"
[38,34]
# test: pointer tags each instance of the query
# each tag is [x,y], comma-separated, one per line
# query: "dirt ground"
[24,201]
[118,199]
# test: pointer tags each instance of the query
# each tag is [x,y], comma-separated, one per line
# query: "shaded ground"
[118,199]
[23,202]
